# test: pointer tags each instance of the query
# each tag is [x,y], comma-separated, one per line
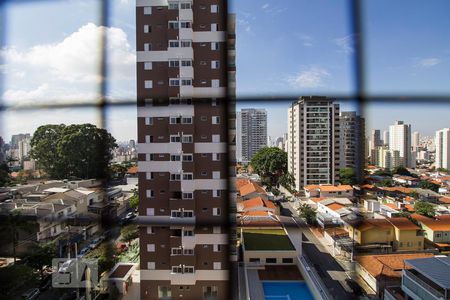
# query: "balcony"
[412,284]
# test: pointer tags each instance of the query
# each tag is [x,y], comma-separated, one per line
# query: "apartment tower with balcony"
[314,141]
[183,112]
[251,133]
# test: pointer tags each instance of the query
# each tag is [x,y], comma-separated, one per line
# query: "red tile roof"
[258,202]
[250,188]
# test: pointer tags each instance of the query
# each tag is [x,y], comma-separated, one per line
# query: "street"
[331,272]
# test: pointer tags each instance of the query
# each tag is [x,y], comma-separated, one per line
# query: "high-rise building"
[313,138]
[375,139]
[252,132]
[182,76]
[24,148]
[352,128]
[400,140]
[385,158]
[415,141]
[442,142]
[386,137]
[2,150]
[18,137]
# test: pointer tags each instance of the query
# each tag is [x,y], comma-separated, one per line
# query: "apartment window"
[150,230]
[215,64]
[149,121]
[175,177]
[214,27]
[174,63]
[173,5]
[216,156]
[174,44]
[149,156]
[149,175]
[177,251]
[187,157]
[214,8]
[254,259]
[186,101]
[187,139]
[175,214]
[185,44]
[147,28]
[214,46]
[148,84]
[175,158]
[216,229]
[188,214]
[217,248]
[186,5]
[216,211]
[210,292]
[204,173]
[188,176]
[174,82]
[188,233]
[287,260]
[147,10]
[214,102]
[147,47]
[184,24]
[216,193]
[215,120]
[174,25]
[188,195]
[150,193]
[186,63]
[185,82]
[216,138]
[150,212]
[151,265]
[216,174]
[217,266]
[188,251]
[150,247]
[186,120]
[188,269]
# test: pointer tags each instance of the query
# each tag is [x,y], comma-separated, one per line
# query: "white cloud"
[346,44]
[312,77]
[306,40]
[68,69]
[429,62]
[265,6]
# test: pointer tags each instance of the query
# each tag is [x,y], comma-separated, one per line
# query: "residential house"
[372,233]
[408,236]
[252,190]
[437,229]
[328,190]
[380,271]
[258,204]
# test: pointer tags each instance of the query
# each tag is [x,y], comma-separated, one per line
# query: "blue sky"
[284,49]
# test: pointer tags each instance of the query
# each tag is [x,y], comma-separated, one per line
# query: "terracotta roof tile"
[403,223]
[335,206]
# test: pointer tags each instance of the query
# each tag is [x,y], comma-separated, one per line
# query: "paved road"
[331,272]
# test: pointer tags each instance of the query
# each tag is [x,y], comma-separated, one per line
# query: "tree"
[401,171]
[443,170]
[4,175]
[424,208]
[307,213]
[347,176]
[428,186]
[288,181]
[385,172]
[118,171]
[385,182]
[40,255]
[270,162]
[11,225]
[106,258]
[129,233]
[134,200]
[15,278]
[81,150]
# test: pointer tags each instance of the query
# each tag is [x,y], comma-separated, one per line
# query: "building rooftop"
[250,188]
[439,223]
[267,240]
[389,265]
[435,268]
[403,223]
[258,202]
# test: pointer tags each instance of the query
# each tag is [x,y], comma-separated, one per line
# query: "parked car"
[31,294]
[95,242]
[83,252]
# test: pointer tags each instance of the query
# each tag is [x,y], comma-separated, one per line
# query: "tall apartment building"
[400,140]
[442,142]
[313,141]
[182,148]
[252,132]
[352,128]
[375,139]
[386,137]
[385,158]
[415,140]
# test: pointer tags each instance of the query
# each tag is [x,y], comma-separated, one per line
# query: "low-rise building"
[328,190]
[408,236]
[437,229]
[381,271]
